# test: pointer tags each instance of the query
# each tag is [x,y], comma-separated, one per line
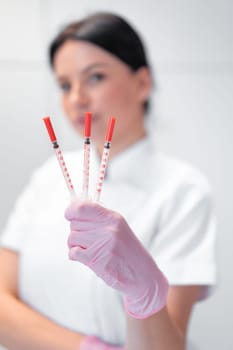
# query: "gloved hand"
[94,343]
[102,240]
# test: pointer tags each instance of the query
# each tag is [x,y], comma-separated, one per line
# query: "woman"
[115,294]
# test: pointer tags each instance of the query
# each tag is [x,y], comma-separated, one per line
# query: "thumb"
[86,211]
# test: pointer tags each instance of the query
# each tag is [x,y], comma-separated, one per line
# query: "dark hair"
[110,32]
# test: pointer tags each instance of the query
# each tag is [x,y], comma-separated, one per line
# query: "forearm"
[157,332]
[22,328]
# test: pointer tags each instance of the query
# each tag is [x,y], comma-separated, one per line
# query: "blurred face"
[91,79]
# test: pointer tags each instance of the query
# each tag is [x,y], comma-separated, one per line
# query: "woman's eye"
[94,78]
[65,87]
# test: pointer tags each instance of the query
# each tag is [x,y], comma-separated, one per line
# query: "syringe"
[104,160]
[86,155]
[59,155]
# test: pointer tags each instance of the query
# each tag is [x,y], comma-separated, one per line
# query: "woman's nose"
[78,96]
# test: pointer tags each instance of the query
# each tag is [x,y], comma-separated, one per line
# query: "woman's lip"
[81,120]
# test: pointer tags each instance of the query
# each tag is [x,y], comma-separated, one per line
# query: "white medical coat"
[168,205]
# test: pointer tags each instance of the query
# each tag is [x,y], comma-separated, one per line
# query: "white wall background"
[190,45]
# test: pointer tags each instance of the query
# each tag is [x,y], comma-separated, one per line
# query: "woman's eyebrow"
[94,65]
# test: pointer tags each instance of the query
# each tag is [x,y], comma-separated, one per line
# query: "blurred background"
[190,45]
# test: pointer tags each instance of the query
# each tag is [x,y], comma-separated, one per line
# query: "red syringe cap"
[49,128]
[111,125]
[88,124]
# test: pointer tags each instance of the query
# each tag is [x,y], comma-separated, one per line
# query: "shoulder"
[179,175]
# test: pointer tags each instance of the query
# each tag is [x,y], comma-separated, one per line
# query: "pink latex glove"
[94,343]
[102,240]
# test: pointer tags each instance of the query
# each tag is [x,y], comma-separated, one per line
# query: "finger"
[86,211]
[77,225]
[79,254]
[84,239]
